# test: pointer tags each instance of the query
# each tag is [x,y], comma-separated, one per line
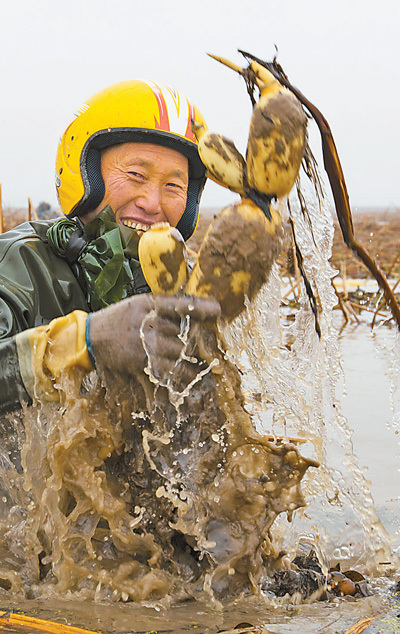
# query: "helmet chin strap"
[188,222]
[93,182]
[77,243]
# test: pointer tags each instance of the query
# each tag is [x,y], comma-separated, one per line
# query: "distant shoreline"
[391,209]
[210,212]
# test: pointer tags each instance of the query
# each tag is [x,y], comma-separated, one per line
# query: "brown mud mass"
[236,257]
[146,488]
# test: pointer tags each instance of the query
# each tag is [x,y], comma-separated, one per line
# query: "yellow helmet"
[140,111]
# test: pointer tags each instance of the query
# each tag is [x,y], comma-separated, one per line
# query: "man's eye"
[176,186]
[136,175]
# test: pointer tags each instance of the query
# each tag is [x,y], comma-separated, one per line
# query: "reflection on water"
[185,618]
[370,405]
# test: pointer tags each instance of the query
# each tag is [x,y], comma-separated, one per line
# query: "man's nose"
[150,199]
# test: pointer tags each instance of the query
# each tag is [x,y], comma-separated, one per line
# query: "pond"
[366,393]
[300,386]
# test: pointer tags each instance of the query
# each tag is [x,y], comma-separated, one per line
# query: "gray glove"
[153,331]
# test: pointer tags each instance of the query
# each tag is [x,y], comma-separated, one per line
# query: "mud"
[145,490]
[276,145]
[236,257]
[283,109]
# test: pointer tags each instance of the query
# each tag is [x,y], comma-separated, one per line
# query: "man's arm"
[35,287]
[12,389]
[36,290]
[123,338]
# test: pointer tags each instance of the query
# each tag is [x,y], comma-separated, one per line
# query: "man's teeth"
[138,226]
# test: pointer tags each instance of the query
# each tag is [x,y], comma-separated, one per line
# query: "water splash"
[298,376]
[163,487]
[149,488]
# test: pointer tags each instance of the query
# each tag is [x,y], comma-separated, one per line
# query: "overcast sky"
[343,55]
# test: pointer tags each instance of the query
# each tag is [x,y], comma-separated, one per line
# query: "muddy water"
[148,489]
[106,504]
[197,617]
[369,367]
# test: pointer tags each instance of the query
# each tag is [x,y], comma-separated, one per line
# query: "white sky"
[343,55]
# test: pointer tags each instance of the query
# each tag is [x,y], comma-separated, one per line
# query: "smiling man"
[144,184]
[128,160]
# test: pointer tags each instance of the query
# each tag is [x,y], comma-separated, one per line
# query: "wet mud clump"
[145,488]
[307,581]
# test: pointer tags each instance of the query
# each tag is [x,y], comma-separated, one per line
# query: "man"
[128,160]
[133,492]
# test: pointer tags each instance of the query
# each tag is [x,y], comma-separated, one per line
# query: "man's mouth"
[137,226]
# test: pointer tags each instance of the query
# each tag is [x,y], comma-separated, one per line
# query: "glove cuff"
[44,352]
[89,346]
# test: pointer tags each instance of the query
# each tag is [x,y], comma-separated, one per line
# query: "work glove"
[141,332]
[151,333]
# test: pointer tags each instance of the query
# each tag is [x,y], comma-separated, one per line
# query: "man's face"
[145,184]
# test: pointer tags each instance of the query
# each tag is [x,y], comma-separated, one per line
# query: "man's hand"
[148,331]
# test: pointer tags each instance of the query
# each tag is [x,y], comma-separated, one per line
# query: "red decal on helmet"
[163,124]
[189,134]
